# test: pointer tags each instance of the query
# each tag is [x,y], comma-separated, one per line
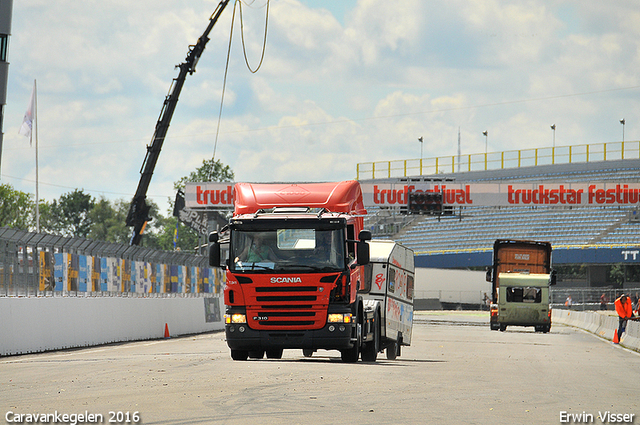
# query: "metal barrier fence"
[588,298]
[40,264]
[499,160]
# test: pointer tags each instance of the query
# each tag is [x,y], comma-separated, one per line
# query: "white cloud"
[339,85]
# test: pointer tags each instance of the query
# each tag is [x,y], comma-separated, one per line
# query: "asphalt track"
[456,371]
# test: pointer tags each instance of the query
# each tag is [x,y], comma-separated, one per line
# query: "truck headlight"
[235,318]
[340,318]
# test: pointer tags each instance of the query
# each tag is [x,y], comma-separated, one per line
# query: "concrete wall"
[30,324]
[599,323]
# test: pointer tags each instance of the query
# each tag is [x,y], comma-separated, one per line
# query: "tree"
[70,214]
[16,208]
[210,171]
[108,221]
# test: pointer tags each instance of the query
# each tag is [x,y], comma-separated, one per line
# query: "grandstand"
[580,234]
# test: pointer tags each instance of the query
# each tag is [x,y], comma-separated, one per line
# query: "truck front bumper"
[333,336]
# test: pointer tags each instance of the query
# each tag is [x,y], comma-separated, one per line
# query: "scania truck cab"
[521,275]
[296,257]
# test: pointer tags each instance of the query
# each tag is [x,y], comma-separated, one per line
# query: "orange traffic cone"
[166,331]
[616,339]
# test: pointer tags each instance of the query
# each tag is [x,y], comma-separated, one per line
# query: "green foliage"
[16,208]
[109,221]
[78,214]
[210,171]
[69,216]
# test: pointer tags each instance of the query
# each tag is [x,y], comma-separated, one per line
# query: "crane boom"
[138,215]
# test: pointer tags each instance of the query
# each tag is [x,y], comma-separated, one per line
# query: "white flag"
[27,123]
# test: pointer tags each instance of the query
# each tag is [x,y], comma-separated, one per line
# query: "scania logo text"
[286,280]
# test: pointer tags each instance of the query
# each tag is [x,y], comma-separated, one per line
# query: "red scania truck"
[295,266]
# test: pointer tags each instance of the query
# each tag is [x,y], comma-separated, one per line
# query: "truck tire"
[256,354]
[503,327]
[392,351]
[307,352]
[275,353]
[371,348]
[239,354]
[350,355]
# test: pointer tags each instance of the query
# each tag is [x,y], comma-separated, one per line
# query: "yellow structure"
[498,160]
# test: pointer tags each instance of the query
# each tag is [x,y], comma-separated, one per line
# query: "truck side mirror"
[214,250]
[552,277]
[488,277]
[364,235]
[363,253]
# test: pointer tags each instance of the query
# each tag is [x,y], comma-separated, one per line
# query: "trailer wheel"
[503,327]
[371,348]
[392,351]
[307,352]
[275,353]
[239,354]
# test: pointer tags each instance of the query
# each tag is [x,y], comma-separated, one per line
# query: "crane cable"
[246,60]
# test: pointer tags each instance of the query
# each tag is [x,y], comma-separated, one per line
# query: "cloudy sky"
[342,82]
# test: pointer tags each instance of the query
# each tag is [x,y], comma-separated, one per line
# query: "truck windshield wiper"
[252,266]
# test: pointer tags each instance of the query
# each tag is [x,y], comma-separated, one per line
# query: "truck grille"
[286,308]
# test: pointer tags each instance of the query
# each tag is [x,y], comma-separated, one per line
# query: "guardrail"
[499,160]
[583,299]
[40,264]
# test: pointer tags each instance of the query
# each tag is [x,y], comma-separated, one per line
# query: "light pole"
[623,122]
[553,127]
[421,140]
[486,140]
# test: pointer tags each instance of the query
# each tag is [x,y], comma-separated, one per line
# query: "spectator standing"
[604,300]
[568,302]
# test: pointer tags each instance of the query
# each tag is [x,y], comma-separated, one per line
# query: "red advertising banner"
[506,194]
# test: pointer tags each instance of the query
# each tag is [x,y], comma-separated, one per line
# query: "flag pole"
[35,117]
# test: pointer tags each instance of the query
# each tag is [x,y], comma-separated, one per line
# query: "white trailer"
[387,295]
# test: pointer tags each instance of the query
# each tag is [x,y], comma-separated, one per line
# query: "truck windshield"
[284,250]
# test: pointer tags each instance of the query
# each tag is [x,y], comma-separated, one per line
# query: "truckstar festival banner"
[209,194]
[220,195]
[506,194]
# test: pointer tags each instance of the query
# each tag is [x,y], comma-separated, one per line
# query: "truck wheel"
[546,329]
[275,353]
[503,328]
[239,354]
[371,348]
[307,352]
[350,355]
[256,354]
